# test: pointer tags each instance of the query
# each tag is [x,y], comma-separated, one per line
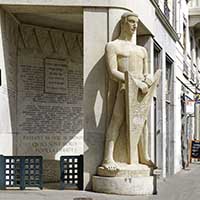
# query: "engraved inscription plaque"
[55,76]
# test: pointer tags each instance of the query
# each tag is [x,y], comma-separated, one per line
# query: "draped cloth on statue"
[137,108]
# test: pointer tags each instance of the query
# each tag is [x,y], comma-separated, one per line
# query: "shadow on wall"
[95,119]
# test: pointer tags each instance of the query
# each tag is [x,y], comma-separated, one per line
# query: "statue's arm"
[112,64]
[146,67]
[148,78]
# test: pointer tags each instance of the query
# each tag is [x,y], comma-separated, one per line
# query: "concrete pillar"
[95,39]
[162,115]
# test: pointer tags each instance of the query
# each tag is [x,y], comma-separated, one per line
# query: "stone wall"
[49,92]
[49,95]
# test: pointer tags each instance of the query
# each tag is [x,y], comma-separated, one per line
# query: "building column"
[94,78]
[162,115]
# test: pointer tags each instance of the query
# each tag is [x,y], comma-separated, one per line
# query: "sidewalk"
[183,186]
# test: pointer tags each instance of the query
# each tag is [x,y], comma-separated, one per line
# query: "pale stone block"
[6,144]
[94,104]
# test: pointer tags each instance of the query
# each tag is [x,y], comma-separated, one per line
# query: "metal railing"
[166,10]
[192,76]
[71,168]
[21,171]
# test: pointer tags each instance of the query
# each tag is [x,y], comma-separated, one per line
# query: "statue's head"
[129,22]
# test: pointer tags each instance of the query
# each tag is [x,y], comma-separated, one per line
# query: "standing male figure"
[125,56]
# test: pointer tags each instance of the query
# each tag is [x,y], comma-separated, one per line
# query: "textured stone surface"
[123,185]
[49,92]
[51,171]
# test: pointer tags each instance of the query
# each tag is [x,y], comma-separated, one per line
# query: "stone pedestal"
[123,185]
[127,180]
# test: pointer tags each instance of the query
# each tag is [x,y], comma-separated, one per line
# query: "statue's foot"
[110,165]
[149,163]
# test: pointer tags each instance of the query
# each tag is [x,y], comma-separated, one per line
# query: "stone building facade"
[53,78]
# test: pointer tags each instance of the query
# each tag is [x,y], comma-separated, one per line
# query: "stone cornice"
[121,4]
[165,21]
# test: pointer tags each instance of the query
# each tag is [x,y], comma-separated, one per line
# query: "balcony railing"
[197,82]
[192,76]
[166,9]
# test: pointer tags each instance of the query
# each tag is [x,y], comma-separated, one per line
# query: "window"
[184,37]
[157,59]
[168,77]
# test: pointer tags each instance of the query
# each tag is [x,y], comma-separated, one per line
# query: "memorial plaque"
[55,76]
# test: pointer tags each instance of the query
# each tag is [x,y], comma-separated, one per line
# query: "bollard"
[156,174]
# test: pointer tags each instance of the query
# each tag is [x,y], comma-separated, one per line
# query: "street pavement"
[183,186]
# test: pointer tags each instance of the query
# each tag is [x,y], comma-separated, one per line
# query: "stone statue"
[128,67]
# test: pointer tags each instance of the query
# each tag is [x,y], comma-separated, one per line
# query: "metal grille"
[12,172]
[33,172]
[20,171]
[71,172]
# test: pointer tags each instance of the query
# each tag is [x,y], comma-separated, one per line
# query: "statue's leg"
[143,147]
[113,130]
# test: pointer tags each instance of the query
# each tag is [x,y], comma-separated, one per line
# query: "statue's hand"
[149,79]
[143,87]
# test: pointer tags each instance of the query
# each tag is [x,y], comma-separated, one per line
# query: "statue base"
[125,170]
[123,185]
[127,180]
